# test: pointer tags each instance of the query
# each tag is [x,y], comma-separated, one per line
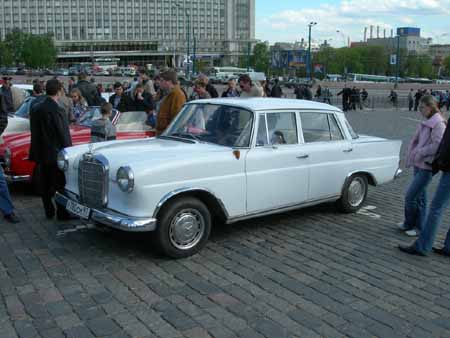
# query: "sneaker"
[441,251]
[412,233]
[12,218]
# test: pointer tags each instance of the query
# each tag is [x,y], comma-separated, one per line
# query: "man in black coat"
[88,91]
[49,135]
[276,90]
[142,100]
[121,101]
[6,205]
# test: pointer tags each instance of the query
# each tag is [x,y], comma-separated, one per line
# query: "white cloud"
[350,16]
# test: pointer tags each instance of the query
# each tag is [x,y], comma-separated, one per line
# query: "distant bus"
[226,73]
[369,78]
[106,63]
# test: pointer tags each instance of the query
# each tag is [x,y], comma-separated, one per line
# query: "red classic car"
[17,167]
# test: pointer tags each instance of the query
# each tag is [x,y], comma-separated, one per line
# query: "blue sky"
[287,20]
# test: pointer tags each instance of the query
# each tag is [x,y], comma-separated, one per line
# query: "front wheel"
[354,194]
[184,227]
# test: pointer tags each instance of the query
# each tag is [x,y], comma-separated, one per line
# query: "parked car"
[225,160]
[62,72]
[15,149]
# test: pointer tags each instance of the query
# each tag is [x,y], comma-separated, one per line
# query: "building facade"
[137,30]
[408,38]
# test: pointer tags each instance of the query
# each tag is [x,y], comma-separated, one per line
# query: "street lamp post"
[188,36]
[345,55]
[311,24]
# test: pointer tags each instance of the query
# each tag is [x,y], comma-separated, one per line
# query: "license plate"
[78,209]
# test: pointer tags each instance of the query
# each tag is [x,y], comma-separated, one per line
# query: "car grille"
[93,175]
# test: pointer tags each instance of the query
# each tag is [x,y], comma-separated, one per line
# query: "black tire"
[168,239]
[349,204]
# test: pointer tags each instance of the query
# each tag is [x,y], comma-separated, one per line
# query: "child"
[102,129]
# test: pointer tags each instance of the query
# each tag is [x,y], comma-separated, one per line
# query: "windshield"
[93,114]
[24,109]
[223,125]
[133,121]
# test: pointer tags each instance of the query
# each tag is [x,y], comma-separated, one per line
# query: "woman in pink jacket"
[421,152]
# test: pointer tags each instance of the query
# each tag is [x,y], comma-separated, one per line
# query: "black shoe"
[441,252]
[410,249]
[12,218]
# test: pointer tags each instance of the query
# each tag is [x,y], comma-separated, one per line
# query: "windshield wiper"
[186,135]
[176,138]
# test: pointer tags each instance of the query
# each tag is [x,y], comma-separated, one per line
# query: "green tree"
[446,64]
[16,42]
[6,57]
[261,58]
[39,51]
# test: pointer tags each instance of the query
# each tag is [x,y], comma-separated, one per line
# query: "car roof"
[258,104]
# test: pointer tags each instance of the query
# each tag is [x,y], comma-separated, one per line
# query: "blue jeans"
[6,206]
[440,202]
[416,199]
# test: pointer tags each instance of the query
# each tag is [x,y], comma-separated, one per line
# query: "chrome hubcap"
[186,229]
[356,192]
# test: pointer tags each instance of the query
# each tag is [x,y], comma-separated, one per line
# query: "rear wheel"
[183,228]
[354,194]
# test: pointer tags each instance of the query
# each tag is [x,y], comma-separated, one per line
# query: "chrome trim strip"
[282,209]
[14,178]
[183,190]
[114,219]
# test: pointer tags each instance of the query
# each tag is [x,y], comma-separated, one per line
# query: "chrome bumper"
[14,178]
[398,173]
[114,219]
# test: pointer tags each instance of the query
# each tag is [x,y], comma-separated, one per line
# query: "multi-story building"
[141,31]
[407,38]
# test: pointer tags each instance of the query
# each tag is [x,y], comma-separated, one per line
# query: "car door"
[330,153]
[276,166]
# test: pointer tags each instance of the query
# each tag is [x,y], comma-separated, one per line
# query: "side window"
[320,127]
[315,127]
[282,128]
[336,133]
[261,138]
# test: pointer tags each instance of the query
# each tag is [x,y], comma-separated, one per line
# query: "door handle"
[303,157]
[348,150]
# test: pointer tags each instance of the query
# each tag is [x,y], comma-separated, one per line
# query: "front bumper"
[17,178]
[112,218]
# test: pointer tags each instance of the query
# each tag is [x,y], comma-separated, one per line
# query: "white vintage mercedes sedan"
[225,160]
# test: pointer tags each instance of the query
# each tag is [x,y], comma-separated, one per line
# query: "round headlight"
[125,179]
[7,157]
[63,160]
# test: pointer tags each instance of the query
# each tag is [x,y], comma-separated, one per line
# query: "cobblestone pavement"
[306,274]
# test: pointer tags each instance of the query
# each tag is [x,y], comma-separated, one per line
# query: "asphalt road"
[307,274]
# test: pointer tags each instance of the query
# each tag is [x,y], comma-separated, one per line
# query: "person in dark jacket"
[276,90]
[49,135]
[88,91]
[209,87]
[6,205]
[120,100]
[231,90]
[346,96]
[424,244]
[7,96]
[142,100]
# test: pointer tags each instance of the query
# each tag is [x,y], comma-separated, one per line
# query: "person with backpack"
[102,129]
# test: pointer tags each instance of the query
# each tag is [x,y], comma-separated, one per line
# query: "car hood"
[151,150]
[16,126]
